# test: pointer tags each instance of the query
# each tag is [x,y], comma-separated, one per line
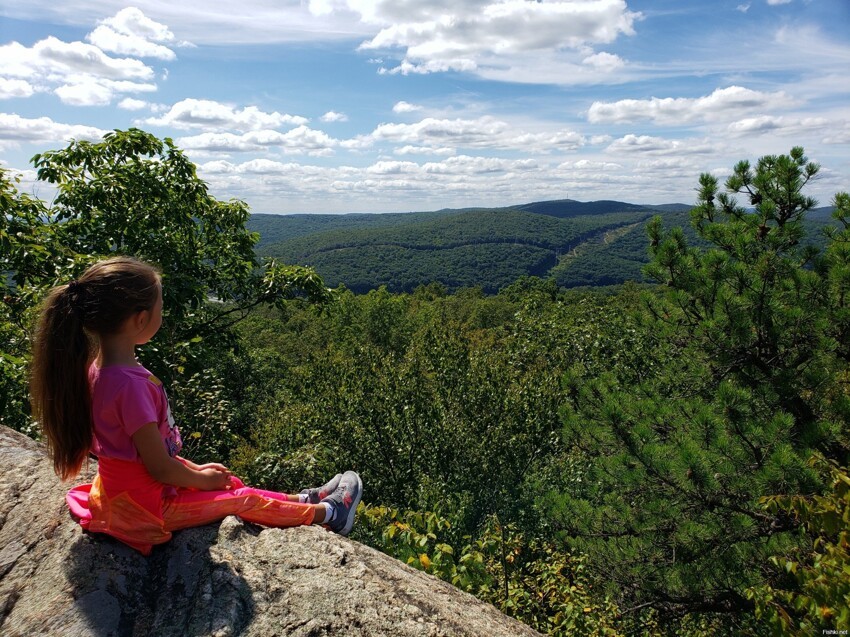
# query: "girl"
[91,395]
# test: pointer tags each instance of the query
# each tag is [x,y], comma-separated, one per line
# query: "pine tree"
[744,384]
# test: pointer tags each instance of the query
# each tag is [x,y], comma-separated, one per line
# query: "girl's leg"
[274,495]
[195,508]
[236,483]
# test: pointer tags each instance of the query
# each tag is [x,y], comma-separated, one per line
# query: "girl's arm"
[163,468]
[201,467]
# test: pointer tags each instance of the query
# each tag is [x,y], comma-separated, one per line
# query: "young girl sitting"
[91,395]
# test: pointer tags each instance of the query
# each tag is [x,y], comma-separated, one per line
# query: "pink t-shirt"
[124,399]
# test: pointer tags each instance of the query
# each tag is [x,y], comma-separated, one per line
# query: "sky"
[330,106]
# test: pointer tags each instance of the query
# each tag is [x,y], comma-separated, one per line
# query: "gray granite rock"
[229,578]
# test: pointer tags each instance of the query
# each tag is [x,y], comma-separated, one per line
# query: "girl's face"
[154,320]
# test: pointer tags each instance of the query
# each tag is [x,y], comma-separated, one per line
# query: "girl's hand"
[214,465]
[214,479]
[178,471]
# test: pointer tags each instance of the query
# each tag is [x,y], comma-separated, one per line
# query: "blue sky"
[398,105]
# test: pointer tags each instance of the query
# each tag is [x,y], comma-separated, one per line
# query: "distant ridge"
[577,243]
[566,208]
[824,213]
[671,207]
[275,228]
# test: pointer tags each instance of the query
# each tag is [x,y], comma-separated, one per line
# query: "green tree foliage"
[490,248]
[528,578]
[816,594]
[742,382]
[25,245]
[135,194]
[448,407]
[579,244]
[423,398]
[817,597]
[616,256]
[403,269]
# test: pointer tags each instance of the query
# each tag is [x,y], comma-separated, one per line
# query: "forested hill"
[565,208]
[577,243]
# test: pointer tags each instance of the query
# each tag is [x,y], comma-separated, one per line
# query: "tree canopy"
[742,383]
[132,194]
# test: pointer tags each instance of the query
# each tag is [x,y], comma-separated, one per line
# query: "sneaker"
[344,500]
[316,494]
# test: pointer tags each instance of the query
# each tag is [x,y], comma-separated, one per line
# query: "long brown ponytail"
[65,343]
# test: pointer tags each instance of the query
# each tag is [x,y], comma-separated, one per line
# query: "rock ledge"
[226,579]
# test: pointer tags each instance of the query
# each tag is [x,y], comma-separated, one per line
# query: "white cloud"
[131,21]
[300,140]
[392,168]
[88,93]
[688,167]
[88,90]
[405,107]
[838,137]
[743,8]
[681,110]
[775,3]
[589,165]
[464,164]
[228,142]
[431,131]
[431,66]
[483,132]
[561,140]
[132,104]
[423,150]
[645,170]
[763,124]
[15,129]
[765,51]
[203,22]
[660,146]
[80,74]
[605,62]
[211,115]
[333,116]
[131,32]
[127,44]
[52,59]
[384,178]
[439,36]
[384,184]
[15,88]
[501,26]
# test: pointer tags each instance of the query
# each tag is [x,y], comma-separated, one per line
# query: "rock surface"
[229,578]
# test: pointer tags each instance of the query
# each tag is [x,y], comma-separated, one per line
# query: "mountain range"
[577,243]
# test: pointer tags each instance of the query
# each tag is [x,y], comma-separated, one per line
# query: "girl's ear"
[140,320]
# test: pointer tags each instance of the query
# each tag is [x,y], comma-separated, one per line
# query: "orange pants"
[194,508]
[124,501]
